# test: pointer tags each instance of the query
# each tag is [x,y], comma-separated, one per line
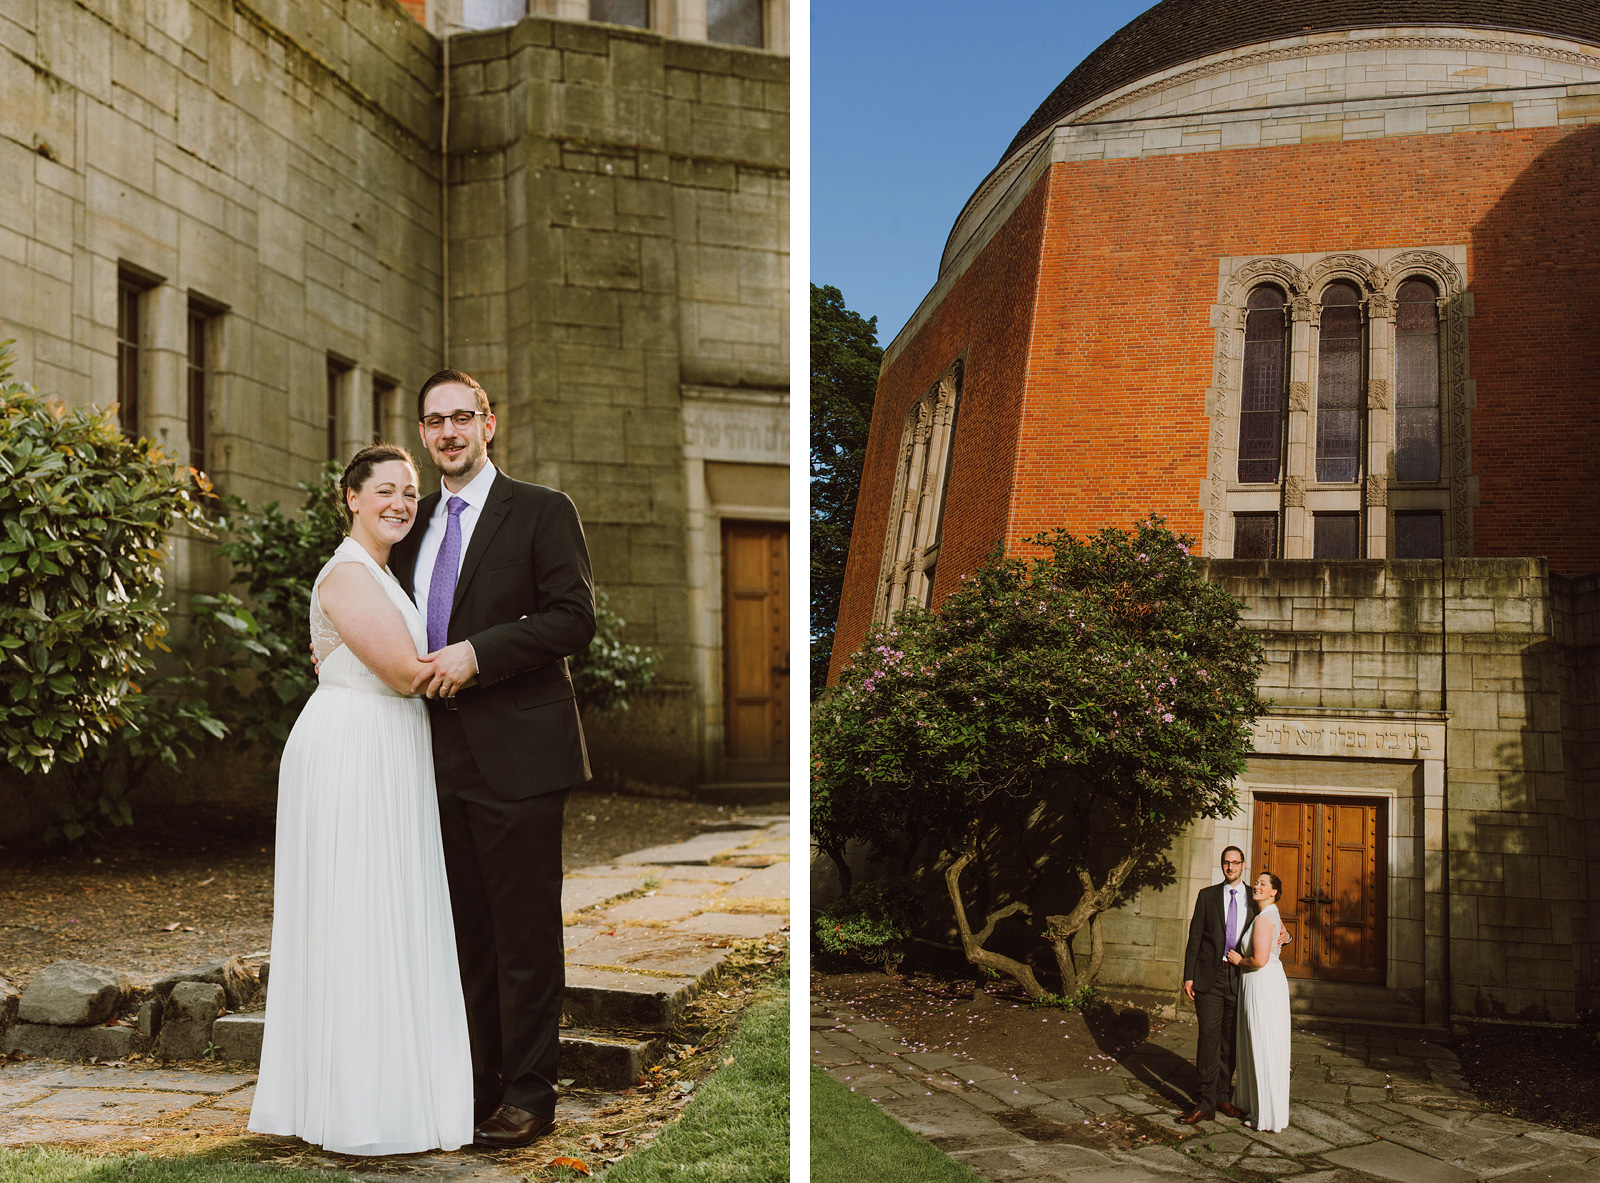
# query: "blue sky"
[911,106]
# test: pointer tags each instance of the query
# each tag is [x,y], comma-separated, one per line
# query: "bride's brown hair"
[357,472]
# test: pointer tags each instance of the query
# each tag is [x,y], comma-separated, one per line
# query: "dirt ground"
[1550,1076]
[186,886]
[995,1024]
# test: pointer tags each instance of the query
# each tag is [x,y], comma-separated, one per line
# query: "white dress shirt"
[1235,890]
[476,494]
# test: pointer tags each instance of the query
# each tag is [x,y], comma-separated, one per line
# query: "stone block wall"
[619,204]
[276,161]
[1511,647]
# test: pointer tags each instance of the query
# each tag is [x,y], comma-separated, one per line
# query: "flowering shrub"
[1105,684]
[873,922]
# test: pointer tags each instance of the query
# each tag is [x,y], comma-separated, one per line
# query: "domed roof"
[1178,31]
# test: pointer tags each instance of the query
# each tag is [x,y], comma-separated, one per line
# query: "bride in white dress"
[1261,1087]
[365,1050]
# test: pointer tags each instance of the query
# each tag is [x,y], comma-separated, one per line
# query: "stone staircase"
[644,935]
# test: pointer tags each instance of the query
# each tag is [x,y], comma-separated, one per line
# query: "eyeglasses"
[462,419]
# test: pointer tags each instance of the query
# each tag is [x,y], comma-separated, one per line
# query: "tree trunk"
[972,943]
[836,853]
[1059,930]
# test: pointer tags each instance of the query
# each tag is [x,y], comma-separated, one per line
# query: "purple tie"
[442,591]
[1233,895]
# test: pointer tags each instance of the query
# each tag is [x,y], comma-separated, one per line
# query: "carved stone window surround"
[1377,274]
[911,543]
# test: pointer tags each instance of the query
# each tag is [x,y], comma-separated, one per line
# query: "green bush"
[87,514]
[609,673]
[874,921]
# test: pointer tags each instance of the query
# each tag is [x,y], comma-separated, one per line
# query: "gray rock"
[150,1018]
[261,976]
[10,996]
[238,1037]
[231,974]
[72,994]
[187,1017]
[72,1043]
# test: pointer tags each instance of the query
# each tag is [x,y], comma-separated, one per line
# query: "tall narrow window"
[911,551]
[336,376]
[197,387]
[1336,536]
[1416,413]
[1419,535]
[1261,392]
[1255,535]
[621,12]
[382,408]
[735,22]
[1339,366]
[128,294]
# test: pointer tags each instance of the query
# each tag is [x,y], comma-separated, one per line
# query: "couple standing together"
[417,957]
[1232,974]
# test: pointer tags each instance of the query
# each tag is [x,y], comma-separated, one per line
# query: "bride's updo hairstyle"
[359,470]
[1277,885]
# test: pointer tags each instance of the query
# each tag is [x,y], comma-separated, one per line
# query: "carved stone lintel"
[1299,396]
[1294,492]
[1303,309]
[1380,307]
[1377,490]
[1378,394]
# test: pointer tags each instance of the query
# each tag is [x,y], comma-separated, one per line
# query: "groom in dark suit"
[500,573]
[1221,914]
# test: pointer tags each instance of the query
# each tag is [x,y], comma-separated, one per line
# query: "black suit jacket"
[525,599]
[1208,934]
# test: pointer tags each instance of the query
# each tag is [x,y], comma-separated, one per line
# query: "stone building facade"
[228,216]
[1317,282]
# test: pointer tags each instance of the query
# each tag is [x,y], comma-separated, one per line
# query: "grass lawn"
[49,1165]
[852,1139]
[736,1129]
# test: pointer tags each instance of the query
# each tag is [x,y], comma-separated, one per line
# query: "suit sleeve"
[1197,925]
[563,622]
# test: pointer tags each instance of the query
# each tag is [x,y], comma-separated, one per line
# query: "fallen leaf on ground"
[572,1164]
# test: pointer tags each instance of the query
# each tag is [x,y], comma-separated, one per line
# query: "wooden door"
[1329,852]
[755,613]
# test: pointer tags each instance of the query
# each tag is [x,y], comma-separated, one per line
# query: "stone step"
[606,998]
[47,1041]
[590,1058]
[608,1059]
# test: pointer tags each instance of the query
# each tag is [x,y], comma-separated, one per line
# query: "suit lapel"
[489,519]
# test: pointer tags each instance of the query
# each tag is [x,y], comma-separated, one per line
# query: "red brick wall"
[1114,420]
[988,313]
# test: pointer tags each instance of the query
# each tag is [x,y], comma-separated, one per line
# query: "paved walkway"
[683,908]
[1368,1103]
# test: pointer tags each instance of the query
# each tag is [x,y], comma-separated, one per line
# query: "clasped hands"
[446,671]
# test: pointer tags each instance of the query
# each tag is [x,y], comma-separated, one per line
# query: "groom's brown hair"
[445,377]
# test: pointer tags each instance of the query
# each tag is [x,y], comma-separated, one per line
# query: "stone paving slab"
[1390,1161]
[653,907]
[85,1104]
[769,883]
[734,924]
[578,894]
[699,850]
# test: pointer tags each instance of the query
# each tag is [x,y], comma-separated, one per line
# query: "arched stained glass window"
[1339,385]
[1262,388]
[1416,404]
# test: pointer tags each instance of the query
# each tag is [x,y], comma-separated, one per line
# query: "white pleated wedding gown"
[365,1050]
[1261,1065]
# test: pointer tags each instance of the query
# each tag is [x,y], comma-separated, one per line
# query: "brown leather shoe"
[1229,1109]
[1195,1117]
[510,1128]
